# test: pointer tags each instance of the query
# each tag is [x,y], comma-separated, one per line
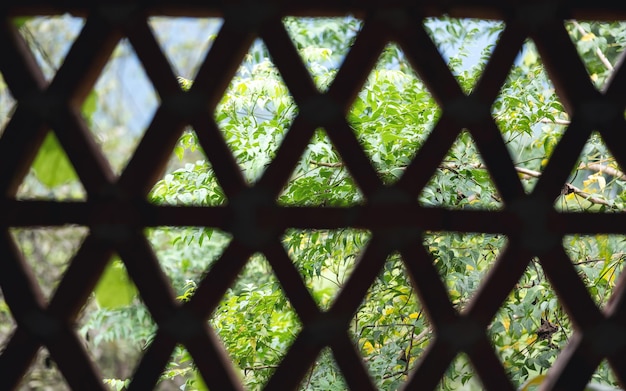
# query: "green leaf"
[19,22]
[115,289]
[51,165]
[199,382]
[89,106]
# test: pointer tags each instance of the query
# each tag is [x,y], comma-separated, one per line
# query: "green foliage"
[117,384]
[391,117]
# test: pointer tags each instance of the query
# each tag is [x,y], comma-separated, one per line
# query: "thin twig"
[259,367]
[567,189]
[588,261]
[324,164]
[605,61]
[556,121]
[603,170]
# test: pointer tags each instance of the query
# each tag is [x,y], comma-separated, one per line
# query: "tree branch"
[568,188]
[259,367]
[556,121]
[603,169]
[605,61]
[324,164]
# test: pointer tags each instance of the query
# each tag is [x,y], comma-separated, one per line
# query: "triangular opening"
[462,180]
[597,183]
[391,329]
[599,261]
[465,45]
[460,376]
[185,41]
[530,115]
[189,178]
[180,371]
[393,114]
[462,260]
[255,112]
[48,252]
[44,374]
[50,39]
[531,328]
[324,374]
[604,376]
[121,106]
[186,253]
[599,46]
[256,322]
[320,178]
[52,175]
[7,104]
[116,337]
[323,44]
[325,259]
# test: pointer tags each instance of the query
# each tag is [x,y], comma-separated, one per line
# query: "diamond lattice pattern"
[116,210]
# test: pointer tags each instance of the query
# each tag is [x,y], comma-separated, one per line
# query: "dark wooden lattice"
[116,210]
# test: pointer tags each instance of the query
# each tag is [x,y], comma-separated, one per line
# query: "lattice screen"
[116,210]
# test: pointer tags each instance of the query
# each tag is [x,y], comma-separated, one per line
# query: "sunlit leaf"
[51,165]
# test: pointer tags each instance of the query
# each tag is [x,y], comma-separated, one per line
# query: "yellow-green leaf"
[115,289]
[89,106]
[587,37]
[51,165]
[20,21]
[199,382]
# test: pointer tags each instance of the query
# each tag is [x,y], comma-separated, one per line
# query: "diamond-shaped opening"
[462,180]
[320,178]
[255,112]
[323,44]
[44,374]
[391,329]
[463,259]
[185,41]
[116,338]
[393,114]
[7,323]
[599,261]
[121,106]
[460,375]
[465,45]
[599,45]
[597,183]
[115,324]
[325,258]
[256,322]
[324,374]
[189,178]
[7,104]
[48,251]
[529,115]
[530,328]
[52,175]
[186,253]
[50,38]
